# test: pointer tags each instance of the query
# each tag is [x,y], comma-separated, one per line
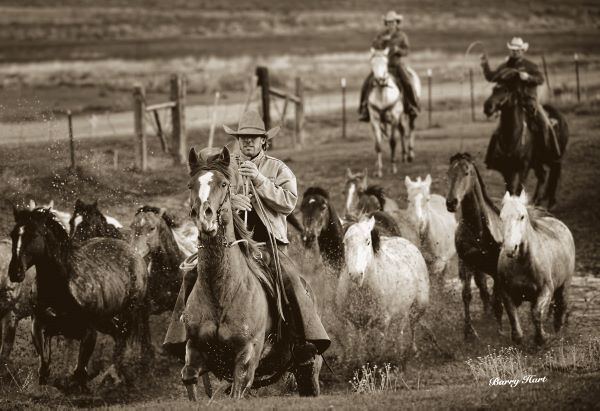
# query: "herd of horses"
[94,275]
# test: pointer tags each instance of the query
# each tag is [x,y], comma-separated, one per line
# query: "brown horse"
[373,197]
[515,153]
[478,235]
[230,316]
[536,264]
[98,285]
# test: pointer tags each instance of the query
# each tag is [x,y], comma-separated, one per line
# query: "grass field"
[430,381]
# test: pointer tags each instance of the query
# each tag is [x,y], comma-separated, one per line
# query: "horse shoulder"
[390,205]
[555,249]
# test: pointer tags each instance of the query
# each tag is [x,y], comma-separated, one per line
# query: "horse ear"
[51,204]
[372,51]
[193,162]
[428,180]
[506,197]
[225,156]
[348,173]
[161,211]
[386,51]
[407,182]
[365,179]
[31,205]
[523,197]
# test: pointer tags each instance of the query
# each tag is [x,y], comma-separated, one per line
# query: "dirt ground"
[432,379]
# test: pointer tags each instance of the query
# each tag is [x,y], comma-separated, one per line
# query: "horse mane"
[52,223]
[486,197]
[259,267]
[378,192]
[166,216]
[375,240]
[316,190]
[535,218]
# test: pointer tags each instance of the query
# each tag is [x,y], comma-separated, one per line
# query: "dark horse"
[478,235]
[97,285]
[321,222]
[88,222]
[152,237]
[515,152]
[230,317]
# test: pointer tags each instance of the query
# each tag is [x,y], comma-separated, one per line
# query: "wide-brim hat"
[393,16]
[251,124]
[517,43]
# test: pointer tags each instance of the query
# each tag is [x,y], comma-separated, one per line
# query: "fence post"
[139,107]
[213,120]
[472,94]
[298,133]
[546,75]
[576,58]
[343,108]
[263,81]
[179,138]
[429,103]
[71,139]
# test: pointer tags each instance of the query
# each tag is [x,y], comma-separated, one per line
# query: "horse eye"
[523,217]
[224,184]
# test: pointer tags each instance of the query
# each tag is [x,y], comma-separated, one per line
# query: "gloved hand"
[524,76]
[249,169]
[240,202]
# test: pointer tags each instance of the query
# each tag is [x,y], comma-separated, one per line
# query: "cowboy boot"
[306,369]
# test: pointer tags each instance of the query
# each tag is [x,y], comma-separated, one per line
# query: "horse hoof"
[394,169]
[517,338]
[471,335]
[378,174]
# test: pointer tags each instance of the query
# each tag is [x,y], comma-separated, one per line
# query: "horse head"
[210,190]
[461,175]
[379,66]
[146,228]
[515,218]
[83,212]
[315,214]
[501,95]
[359,247]
[419,193]
[29,239]
[355,184]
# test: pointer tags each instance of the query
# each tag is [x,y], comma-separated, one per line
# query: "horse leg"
[513,317]
[497,305]
[8,328]
[537,314]
[484,294]
[540,174]
[393,149]
[86,349]
[465,276]
[193,368]
[246,362]
[379,163]
[560,306]
[411,138]
[42,349]
[553,178]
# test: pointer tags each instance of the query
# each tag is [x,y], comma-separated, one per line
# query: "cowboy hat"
[251,125]
[517,43]
[392,16]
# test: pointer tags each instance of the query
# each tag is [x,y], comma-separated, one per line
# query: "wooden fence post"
[429,104]
[298,133]
[263,82]
[576,58]
[71,139]
[139,108]
[472,94]
[550,92]
[344,108]
[213,120]
[179,138]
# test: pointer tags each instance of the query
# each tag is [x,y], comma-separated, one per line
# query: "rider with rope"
[523,75]
[275,186]
[394,39]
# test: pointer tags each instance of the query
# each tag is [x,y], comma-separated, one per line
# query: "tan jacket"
[277,189]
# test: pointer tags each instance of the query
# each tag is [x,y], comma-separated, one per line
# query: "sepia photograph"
[311,205]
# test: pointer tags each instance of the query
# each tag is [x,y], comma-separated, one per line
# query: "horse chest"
[476,250]
[516,277]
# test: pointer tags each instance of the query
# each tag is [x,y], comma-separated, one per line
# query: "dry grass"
[370,379]
[583,356]
[507,363]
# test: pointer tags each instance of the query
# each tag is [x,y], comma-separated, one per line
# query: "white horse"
[387,112]
[436,226]
[387,274]
[536,264]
